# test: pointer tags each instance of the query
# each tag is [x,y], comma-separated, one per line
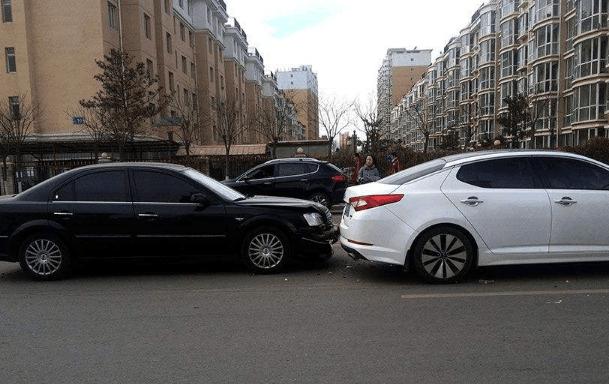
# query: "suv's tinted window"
[562,173]
[261,173]
[510,173]
[156,187]
[102,186]
[292,169]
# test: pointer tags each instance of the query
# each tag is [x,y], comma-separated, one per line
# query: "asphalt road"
[345,323]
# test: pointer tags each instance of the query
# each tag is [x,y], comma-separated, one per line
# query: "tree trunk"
[226,162]
[330,148]
[426,144]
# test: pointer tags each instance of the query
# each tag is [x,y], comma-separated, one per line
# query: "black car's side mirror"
[199,198]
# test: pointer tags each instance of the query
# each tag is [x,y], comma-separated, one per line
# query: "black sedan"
[144,210]
[308,179]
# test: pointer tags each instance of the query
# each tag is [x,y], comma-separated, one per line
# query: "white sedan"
[445,217]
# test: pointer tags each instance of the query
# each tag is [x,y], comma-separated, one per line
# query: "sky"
[346,40]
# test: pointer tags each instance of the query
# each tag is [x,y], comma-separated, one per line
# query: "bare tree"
[273,121]
[334,117]
[128,98]
[17,117]
[189,121]
[422,118]
[230,127]
[94,124]
[371,123]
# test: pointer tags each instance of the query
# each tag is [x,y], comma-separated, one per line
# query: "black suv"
[154,210]
[308,179]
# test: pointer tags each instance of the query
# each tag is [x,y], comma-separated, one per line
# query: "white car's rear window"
[414,173]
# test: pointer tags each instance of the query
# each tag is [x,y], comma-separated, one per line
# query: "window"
[192,70]
[147,26]
[592,15]
[508,64]
[211,74]
[293,169]
[511,173]
[191,39]
[487,51]
[112,16]
[545,9]
[167,7]
[590,57]
[7,11]
[590,102]
[65,193]
[149,68]
[11,63]
[562,173]
[181,4]
[546,77]
[487,104]
[186,97]
[261,173]
[182,32]
[169,43]
[184,65]
[546,40]
[15,105]
[157,187]
[172,84]
[102,186]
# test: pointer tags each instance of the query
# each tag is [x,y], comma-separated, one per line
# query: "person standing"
[357,166]
[369,173]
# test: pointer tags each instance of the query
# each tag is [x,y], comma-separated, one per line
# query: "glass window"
[562,173]
[11,62]
[261,173]
[15,105]
[112,16]
[414,173]
[7,11]
[65,193]
[292,169]
[102,186]
[147,26]
[157,187]
[511,173]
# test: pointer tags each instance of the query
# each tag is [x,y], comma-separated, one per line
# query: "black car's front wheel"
[45,257]
[265,250]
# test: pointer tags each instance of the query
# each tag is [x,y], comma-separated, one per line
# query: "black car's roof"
[169,166]
[295,160]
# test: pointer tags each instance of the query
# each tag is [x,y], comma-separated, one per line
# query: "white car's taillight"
[361,203]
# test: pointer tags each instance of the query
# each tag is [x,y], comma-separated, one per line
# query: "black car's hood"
[274,201]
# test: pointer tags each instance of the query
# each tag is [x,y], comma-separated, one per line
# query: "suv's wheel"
[443,255]
[45,257]
[265,250]
[321,198]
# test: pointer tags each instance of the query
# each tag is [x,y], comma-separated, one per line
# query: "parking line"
[457,295]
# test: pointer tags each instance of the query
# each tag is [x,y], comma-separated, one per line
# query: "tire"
[443,255]
[265,250]
[321,198]
[45,257]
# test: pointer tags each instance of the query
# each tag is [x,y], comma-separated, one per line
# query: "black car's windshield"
[415,172]
[217,187]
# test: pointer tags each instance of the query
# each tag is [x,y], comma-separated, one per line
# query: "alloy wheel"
[43,257]
[266,251]
[444,256]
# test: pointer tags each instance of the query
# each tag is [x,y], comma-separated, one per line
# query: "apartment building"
[553,52]
[400,70]
[300,85]
[199,54]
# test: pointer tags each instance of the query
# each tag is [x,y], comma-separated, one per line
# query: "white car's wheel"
[443,255]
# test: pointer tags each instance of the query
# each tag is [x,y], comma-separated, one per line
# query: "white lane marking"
[457,295]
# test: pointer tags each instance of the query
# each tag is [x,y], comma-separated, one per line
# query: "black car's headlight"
[314,219]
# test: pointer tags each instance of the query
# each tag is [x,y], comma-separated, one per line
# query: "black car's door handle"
[268,183]
[63,214]
[148,215]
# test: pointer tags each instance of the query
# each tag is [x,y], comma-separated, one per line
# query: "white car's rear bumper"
[376,235]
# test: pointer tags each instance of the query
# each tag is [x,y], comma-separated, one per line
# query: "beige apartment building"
[301,87]
[400,70]
[198,54]
[554,52]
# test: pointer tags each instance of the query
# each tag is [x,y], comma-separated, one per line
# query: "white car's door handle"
[472,201]
[566,201]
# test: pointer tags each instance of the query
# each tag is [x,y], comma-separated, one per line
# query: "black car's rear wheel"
[443,255]
[265,250]
[45,257]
